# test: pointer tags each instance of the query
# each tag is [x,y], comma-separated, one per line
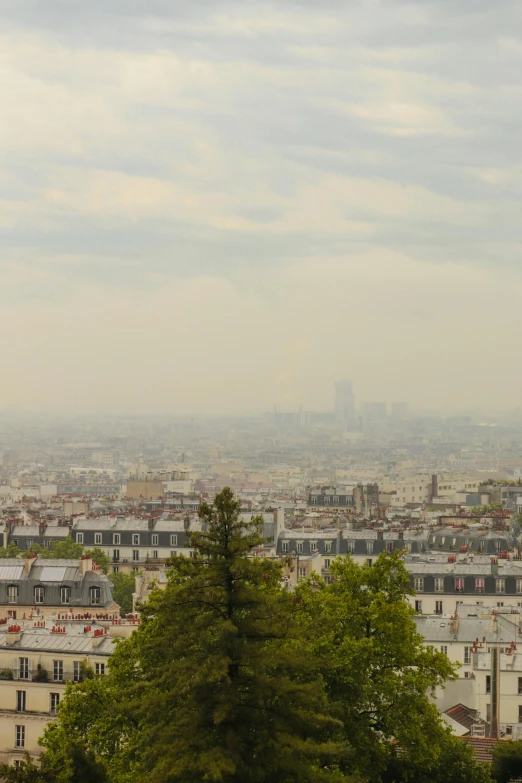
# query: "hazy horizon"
[215,208]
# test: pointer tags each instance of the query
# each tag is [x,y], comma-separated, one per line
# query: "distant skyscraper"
[344,402]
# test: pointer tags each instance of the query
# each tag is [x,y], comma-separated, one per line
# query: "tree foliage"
[231,678]
[507,761]
[124,587]
[10,551]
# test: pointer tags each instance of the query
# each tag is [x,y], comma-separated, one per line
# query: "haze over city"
[218,208]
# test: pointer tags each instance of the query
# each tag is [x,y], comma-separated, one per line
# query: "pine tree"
[216,684]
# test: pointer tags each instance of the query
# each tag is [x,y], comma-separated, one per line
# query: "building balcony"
[24,675]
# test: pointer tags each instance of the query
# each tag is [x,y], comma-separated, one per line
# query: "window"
[58,671]
[174,542]
[115,555]
[439,584]
[438,607]
[520,686]
[299,547]
[479,585]
[39,593]
[335,500]
[77,671]
[369,547]
[418,606]
[20,736]
[313,546]
[444,649]
[20,701]
[488,683]
[350,547]
[30,543]
[327,546]
[481,546]
[23,668]
[302,573]
[79,538]
[97,538]
[11,614]
[155,539]
[94,594]
[12,594]
[369,562]
[115,569]
[327,563]
[389,546]
[520,713]
[488,712]
[442,540]
[284,546]
[467,656]
[99,669]
[135,539]
[55,700]
[47,544]
[459,584]
[65,594]
[407,546]
[116,539]
[155,554]
[519,586]
[500,585]
[135,555]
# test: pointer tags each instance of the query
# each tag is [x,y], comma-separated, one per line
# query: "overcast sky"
[214,207]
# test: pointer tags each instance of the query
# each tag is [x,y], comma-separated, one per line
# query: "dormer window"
[94,594]
[39,594]
[135,539]
[12,594]
[65,594]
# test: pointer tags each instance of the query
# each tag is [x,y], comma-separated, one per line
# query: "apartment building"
[484,643]
[26,536]
[35,587]
[130,542]
[362,545]
[442,586]
[37,659]
[332,498]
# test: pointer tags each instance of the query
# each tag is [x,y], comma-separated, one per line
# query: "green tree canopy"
[124,587]
[216,684]
[231,678]
[377,670]
[507,761]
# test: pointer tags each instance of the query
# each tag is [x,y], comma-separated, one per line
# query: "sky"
[218,207]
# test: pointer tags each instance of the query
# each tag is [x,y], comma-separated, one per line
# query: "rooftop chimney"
[454,624]
[13,634]
[85,564]
[28,563]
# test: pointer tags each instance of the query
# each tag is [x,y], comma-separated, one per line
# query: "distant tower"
[344,402]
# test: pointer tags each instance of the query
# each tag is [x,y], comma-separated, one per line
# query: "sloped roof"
[465,716]
[483,747]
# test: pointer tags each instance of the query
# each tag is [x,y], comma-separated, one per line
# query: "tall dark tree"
[217,684]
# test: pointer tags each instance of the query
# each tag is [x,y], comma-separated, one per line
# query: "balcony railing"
[32,675]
